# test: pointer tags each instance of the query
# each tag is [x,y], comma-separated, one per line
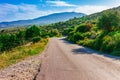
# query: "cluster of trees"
[103,35]
[109,21]
[8,41]
[62,26]
[100,33]
[11,40]
[21,37]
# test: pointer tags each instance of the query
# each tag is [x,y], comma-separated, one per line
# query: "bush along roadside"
[103,36]
[21,52]
[15,47]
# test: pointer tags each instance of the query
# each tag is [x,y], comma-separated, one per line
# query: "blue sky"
[11,10]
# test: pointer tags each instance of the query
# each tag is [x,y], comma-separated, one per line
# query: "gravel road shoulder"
[24,70]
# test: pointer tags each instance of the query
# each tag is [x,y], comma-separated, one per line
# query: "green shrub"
[116,53]
[109,21]
[6,42]
[33,52]
[116,39]
[97,44]
[87,34]
[36,39]
[86,42]
[89,43]
[81,28]
[54,33]
[107,44]
[99,39]
[76,37]
[31,32]
[80,42]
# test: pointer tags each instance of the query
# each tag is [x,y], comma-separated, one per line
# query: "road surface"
[66,61]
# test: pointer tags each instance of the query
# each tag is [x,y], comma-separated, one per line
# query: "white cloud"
[10,12]
[90,9]
[115,3]
[5,8]
[60,3]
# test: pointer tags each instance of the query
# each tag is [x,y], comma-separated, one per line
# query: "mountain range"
[52,18]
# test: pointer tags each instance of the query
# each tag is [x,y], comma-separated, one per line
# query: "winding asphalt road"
[67,61]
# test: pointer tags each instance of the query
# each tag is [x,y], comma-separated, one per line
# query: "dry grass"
[20,53]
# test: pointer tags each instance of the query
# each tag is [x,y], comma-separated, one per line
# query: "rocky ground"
[25,70]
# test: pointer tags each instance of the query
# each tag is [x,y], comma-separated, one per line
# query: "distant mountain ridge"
[52,18]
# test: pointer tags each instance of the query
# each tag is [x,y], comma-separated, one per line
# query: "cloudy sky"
[11,10]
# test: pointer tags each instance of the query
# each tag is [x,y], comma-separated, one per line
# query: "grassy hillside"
[96,16]
[17,44]
[93,18]
[100,31]
[21,52]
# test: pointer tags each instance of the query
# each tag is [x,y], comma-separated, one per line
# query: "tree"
[54,32]
[1,44]
[82,28]
[5,40]
[88,25]
[31,32]
[109,21]
[21,36]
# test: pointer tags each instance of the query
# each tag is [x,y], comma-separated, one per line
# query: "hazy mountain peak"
[52,18]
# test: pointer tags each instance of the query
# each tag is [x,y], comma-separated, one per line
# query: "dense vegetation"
[99,31]
[21,52]
[102,34]
[9,40]
[17,44]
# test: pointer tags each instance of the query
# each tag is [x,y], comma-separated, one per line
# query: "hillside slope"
[53,18]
